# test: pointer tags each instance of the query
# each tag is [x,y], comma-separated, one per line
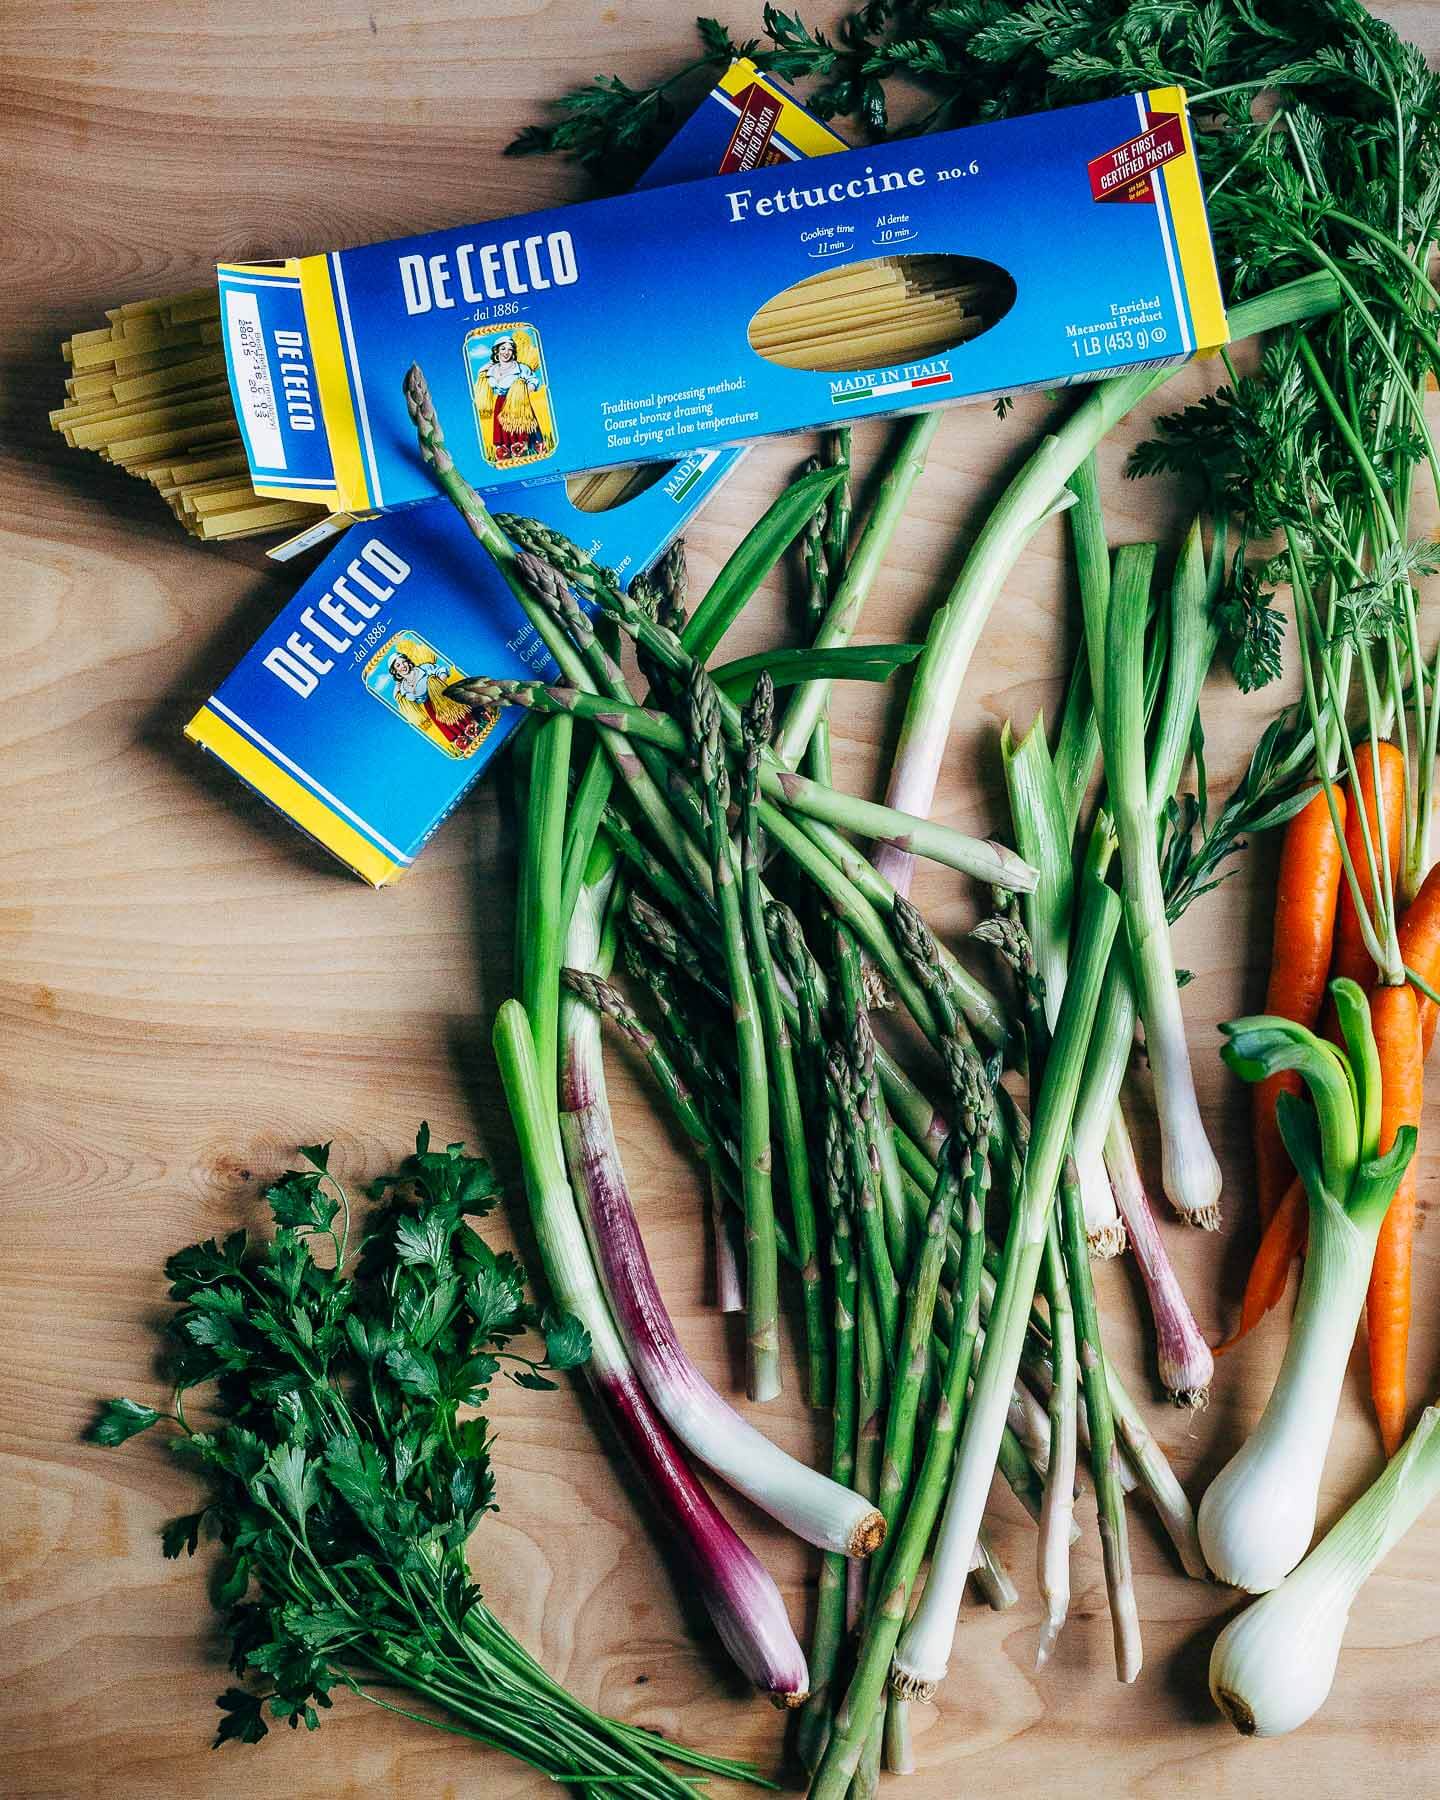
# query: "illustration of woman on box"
[506,390]
[421,687]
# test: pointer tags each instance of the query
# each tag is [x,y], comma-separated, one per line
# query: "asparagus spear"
[853,1025]
[863,1699]
[610,1003]
[761,1270]
[829,1632]
[880,1280]
[811,801]
[758,722]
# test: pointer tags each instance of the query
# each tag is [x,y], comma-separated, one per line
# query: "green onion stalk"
[1074,1321]
[1104,1445]
[1044,830]
[1258,1515]
[1181,648]
[1077,754]
[1033,496]
[1191,1172]
[1057,1515]
[1184,1361]
[1104,1155]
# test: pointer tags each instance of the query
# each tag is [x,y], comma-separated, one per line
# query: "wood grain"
[189,990]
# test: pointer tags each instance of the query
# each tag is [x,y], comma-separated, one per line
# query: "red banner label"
[1124,174]
[759,115]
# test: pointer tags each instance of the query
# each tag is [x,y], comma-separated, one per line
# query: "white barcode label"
[253,384]
[320,533]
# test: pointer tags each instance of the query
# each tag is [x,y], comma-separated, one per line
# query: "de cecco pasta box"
[338,715]
[1026,252]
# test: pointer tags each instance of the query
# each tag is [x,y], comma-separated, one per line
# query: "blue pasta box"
[338,715]
[696,315]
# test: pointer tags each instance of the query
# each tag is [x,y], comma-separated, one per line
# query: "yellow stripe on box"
[337,407]
[293,799]
[1181,181]
[324,331]
[795,125]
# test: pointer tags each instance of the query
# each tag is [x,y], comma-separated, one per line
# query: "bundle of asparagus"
[148,391]
[923,1333]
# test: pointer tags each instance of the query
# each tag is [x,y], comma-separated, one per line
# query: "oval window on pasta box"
[892,309]
[605,489]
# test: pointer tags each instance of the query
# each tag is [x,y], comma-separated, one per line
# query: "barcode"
[254,387]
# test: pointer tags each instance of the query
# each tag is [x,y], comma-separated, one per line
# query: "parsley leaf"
[567,1342]
[182,1536]
[301,1201]
[241,1718]
[119,1420]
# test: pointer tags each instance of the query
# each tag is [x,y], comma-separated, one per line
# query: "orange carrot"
[1419,933]
[1305,894]
[1350,955]
[1396,1020]
[1283,1241]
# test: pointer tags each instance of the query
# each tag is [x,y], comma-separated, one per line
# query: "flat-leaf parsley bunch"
[343,1481]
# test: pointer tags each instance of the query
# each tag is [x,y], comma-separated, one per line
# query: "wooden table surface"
[190,990]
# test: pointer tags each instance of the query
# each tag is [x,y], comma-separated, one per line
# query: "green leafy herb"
[1254,632]
[614,131]
[122,1419]
[343,1483]
[1276,784]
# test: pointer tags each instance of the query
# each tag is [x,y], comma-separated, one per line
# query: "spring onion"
[1258,1514]
[1190,1171]
[1272,1667]
[1037,492]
